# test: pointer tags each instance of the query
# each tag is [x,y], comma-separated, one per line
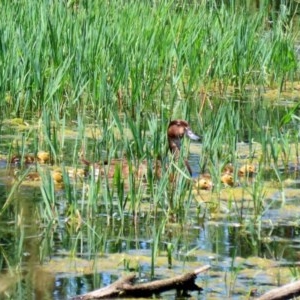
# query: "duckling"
[107,168]
[204,182]
[27,159]
[247,170]
[228,168]
[36,176]
[57,176]
[77,173]
[227,179]
[43,157]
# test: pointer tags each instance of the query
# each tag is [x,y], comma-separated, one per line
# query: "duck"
[247,170]
[109,168]
[27,159]
[227,176]
[204,182]
[177,130]
[37,175]
[227,179]
[41,157]
[57,176]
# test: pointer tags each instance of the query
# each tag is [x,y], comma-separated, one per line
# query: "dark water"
[221,243]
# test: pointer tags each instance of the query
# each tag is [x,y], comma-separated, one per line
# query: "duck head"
[176,131]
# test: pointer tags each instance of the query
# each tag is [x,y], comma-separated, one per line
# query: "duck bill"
[192,135]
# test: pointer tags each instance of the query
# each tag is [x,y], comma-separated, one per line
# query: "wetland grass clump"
[121,84]
[68,60]
[48,195]
[157,231]
[221,136]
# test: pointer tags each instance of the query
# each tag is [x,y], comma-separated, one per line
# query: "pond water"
[248,253]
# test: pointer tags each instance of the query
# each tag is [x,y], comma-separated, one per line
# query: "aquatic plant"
[79,65]
[231,275]
[167,57]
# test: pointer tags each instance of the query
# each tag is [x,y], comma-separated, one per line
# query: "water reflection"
[68,286]
[225,241]
[217,242]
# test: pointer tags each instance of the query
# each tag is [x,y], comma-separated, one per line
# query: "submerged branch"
[124,287]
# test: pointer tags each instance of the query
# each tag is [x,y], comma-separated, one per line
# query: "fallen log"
[287,291]
[124,287]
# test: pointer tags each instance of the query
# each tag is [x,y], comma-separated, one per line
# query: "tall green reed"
[221,136]
[109,64]
[66,58]
[48,194]
[157,231]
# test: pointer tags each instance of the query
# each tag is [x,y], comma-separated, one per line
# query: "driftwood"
[124,287]
[287,291]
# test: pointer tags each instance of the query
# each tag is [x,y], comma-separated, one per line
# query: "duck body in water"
[177,129]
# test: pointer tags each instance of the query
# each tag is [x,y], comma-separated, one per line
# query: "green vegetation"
[95,57]
[104,78]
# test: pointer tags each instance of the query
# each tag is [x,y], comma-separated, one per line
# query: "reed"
[121,70]
[48,195]
[170,51]
[157,231]
[258,198]
[13,190]
[232,275]
[221,136]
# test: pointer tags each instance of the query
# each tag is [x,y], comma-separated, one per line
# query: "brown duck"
[177,129]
